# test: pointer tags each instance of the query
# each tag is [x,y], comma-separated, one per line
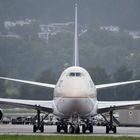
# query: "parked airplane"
[75,99]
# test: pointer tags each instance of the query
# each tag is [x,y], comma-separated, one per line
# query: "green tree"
[2,84]
[100,76]
[136,93]
[123,92]
[123,74]
[37,92]
[46,76]
[25,91]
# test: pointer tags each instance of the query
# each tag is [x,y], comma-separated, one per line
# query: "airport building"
[129,117]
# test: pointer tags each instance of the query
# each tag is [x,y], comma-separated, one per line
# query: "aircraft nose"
[69,106]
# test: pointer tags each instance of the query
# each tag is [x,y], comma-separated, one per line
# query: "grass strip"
[21,137]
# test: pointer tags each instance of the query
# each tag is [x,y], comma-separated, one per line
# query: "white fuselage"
[75,92]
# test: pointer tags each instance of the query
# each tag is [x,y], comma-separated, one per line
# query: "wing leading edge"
[116,84]
[46,106]
[29,82]
[116,105]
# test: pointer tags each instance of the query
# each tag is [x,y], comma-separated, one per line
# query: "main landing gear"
[73,127]
[87,126]
[62,126]
[38,123]
[109,125]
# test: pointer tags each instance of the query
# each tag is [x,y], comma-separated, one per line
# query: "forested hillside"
[109,55]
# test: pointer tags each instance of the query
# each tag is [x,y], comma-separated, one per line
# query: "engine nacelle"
[1,114]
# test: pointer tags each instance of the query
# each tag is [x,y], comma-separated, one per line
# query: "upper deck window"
[77,74]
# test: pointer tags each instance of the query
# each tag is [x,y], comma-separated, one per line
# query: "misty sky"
[122,13]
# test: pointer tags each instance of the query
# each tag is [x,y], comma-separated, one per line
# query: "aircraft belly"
[69,106]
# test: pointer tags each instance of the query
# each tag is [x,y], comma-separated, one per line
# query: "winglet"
[76,49]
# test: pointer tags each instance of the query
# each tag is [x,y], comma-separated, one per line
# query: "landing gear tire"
[38,122]
[71,129]
[107,129]
[65,128]
[114,130]
[77,130]
[42,128]
[58,128]
[34,128]
[83,128]
[111,128]
[90,128]
[62,127]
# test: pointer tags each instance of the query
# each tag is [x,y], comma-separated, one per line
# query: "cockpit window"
[77,74]
[72,74]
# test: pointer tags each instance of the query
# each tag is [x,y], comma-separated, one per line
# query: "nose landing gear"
[75,124]
[74,129]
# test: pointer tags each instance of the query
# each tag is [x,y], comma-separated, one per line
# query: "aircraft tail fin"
[76,49]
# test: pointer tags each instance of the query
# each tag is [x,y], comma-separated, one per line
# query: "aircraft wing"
[46,106]
[29,82]
[116,84]
[117,105]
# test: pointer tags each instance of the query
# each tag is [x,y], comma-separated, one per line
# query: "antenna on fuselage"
[76,49]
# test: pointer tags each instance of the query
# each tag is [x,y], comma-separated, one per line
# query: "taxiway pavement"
[51,130]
